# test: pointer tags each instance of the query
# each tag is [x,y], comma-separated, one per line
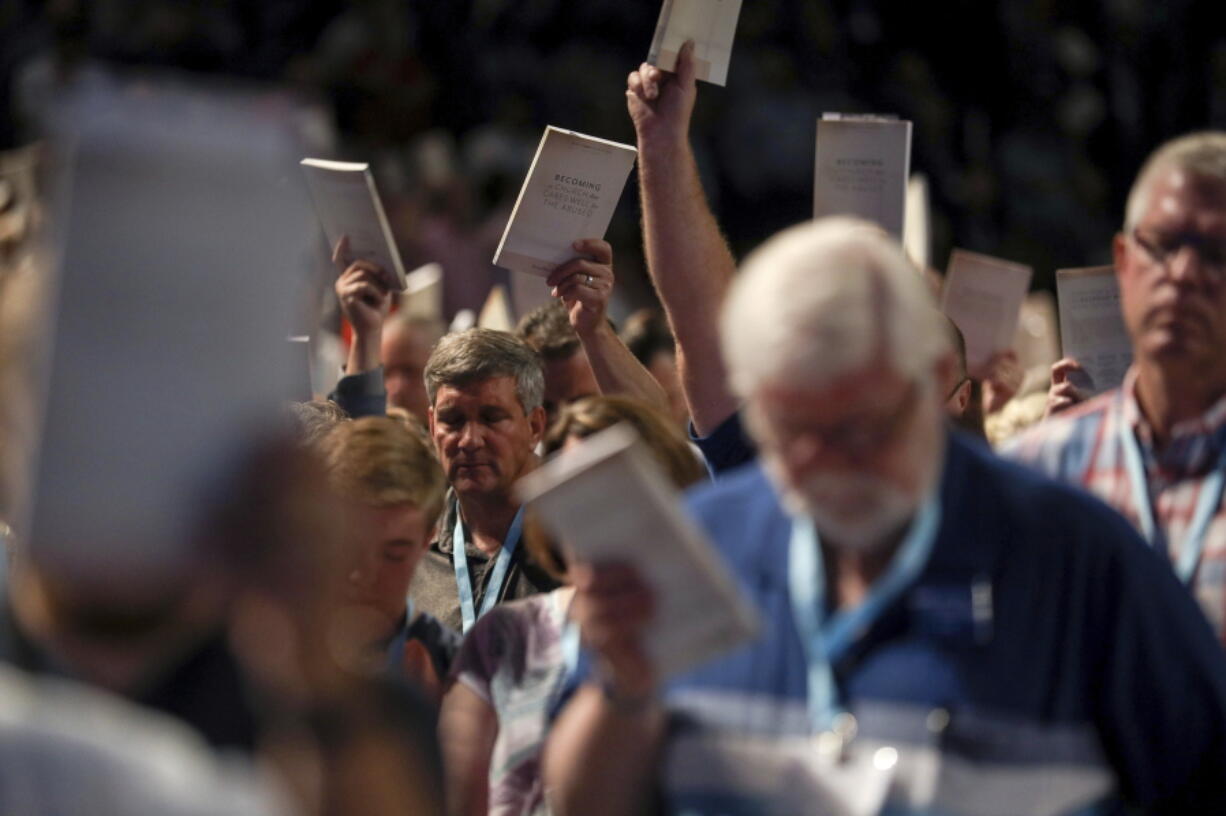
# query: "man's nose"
[1186,264]
[470,436]
[363,570]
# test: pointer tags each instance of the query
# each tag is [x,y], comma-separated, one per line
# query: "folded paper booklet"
[983,297]
[862,167]
[917,229]
[608,501]
[571,190]
[711,24]
[1092,327]
[348,204]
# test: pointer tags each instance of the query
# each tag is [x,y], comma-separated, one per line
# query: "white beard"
[851,511]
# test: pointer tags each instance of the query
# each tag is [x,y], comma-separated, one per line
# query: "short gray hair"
[1200,154]
[470,356]
[823,299]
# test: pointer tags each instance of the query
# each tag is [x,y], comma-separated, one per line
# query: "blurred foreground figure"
[69,751]
[1155,448]
[945,632]
[181,547]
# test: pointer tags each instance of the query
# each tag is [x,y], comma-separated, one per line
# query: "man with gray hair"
[944,632]
[1155,448]
[486,418]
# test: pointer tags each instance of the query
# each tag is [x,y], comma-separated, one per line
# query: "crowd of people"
[371,620]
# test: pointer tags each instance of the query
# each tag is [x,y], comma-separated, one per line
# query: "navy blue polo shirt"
[1092,679]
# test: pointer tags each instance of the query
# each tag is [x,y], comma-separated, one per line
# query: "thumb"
[685,65]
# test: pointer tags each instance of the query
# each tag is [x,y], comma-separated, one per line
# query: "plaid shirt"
[1084,447]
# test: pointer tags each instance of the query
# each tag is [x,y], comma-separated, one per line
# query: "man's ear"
[946,372]
[536,419]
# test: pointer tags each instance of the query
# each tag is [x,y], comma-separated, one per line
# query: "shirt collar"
[1195,443]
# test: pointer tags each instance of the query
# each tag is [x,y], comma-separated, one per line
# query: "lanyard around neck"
[826,639]
[493,588]
[1207,504]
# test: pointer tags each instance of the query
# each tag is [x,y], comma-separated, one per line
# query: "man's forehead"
[489,391]
[848,393]
[1186,200]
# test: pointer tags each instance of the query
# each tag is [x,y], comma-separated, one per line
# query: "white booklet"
[348,204]
[1092,327]
[983,297]
[423,293]
[609,501]
[862,167]
[711,24]
[570,193]
[917,229]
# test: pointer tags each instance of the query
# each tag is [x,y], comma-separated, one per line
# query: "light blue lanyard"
[395,649]
[494,587]
[826,640]
[1206,506]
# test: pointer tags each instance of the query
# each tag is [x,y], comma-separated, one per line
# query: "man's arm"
[602,755]
[687,256]
[585,285]
[365,297]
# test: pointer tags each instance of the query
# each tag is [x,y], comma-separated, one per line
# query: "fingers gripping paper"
[711,24]
[570,193]
[1092,329]
[608,501]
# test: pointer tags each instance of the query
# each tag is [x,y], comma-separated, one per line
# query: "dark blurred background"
[1031,118]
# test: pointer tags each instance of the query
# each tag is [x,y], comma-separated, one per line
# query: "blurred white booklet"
[570,193]
[917,229]
[983,297]
[609,501]
[1092,327]
[711,24]
[496,311]
[862,167]
[348,204]
[423,293]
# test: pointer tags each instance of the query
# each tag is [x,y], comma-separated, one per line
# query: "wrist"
[626,701]
[595,330]
[663,143]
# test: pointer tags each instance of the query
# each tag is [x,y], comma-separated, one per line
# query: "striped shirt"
[1085,447]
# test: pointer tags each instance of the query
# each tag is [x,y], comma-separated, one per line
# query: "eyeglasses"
[856,439]
[1164,248]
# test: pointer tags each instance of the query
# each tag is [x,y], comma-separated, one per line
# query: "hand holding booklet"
[348,204]
[711,24]
[983,297]
[608,501]
[571,190]
[1092,329]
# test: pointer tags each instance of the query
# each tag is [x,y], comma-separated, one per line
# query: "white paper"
[348,204]
[609,501]
[711,24]
[570,193]
[1092,327]
[917,229]
[862,167]
[423,293]
[983,297]
[496,311]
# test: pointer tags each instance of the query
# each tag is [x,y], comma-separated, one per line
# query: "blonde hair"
[378,461]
